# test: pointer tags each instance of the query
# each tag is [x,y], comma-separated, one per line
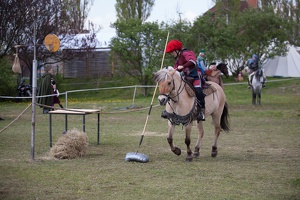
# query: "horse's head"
[259,73]
[165,81]
[223,68]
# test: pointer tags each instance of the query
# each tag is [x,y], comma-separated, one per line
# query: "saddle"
[212,73]
[209,89]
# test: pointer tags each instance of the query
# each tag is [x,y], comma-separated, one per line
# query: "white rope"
[15,119]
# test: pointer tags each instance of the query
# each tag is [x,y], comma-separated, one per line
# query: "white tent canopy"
[285,66]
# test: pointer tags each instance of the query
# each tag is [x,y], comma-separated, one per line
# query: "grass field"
[258,159]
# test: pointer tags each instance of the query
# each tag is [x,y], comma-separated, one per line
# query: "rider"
[201,61]
[185,61]
[214,75]
[254,65]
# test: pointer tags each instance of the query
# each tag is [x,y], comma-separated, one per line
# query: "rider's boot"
[201,105]
[249,85]
[264,82]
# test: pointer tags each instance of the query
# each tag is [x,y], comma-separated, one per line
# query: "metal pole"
[34,73]
[66,100]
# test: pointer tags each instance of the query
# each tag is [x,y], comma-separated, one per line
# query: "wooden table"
[82,112]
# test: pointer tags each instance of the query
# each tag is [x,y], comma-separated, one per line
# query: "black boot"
[264,82]
[249,85]
[201,104]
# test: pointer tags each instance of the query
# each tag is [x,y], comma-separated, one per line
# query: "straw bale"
[71,144]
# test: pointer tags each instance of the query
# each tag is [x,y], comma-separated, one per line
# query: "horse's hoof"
[196,154]
[214,152]
[177,151]
[189,159]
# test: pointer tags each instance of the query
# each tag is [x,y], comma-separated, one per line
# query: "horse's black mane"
[259,73]
[222,67]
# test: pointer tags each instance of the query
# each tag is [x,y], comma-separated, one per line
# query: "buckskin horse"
[181,107]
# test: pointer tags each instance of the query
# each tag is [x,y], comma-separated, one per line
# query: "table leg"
[83,123]
[98,129]
[66,122]
[50,122]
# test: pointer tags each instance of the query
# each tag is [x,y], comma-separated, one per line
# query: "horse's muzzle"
[163,99]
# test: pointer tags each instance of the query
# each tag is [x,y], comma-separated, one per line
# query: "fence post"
[66,100]
[132,105]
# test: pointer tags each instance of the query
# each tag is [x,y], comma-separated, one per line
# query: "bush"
[8,80]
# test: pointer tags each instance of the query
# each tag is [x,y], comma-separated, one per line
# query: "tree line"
[227,34]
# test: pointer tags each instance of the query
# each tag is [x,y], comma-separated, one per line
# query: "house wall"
[89,63]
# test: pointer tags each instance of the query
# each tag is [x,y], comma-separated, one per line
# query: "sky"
[103,13]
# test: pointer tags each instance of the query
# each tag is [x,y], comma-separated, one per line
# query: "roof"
[243,4]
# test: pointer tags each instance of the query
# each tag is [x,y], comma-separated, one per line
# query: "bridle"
[180,89]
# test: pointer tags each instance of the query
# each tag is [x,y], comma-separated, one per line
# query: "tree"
[128,9]
[289,11]
[7,79]
[235,37]
[139,48]
[18,18]
[138,45]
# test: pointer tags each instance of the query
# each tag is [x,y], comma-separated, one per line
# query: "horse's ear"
[169,68]
[173,72]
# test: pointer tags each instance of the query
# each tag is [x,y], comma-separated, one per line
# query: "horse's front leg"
[199,140]
[174,149]
[188,129]
[253,97]
[258,99]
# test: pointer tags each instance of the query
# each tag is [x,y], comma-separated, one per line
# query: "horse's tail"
[224,118]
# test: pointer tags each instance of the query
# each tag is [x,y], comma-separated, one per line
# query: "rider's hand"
[180,67]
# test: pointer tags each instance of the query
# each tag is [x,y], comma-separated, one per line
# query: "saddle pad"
[209,90]
[190,90]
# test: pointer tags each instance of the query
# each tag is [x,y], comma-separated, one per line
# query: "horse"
[256,85]
[216,75]
[223,68]
[181,106]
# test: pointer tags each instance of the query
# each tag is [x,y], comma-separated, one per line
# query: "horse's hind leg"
[174,149]
[216,122]
[214,151]
[188,129]
[199,140]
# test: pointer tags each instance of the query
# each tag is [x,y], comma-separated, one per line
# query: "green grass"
[258,158]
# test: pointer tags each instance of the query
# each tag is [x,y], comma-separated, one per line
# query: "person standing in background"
[56,92]
[46,89]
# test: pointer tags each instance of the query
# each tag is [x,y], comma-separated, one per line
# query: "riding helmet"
[173,45]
